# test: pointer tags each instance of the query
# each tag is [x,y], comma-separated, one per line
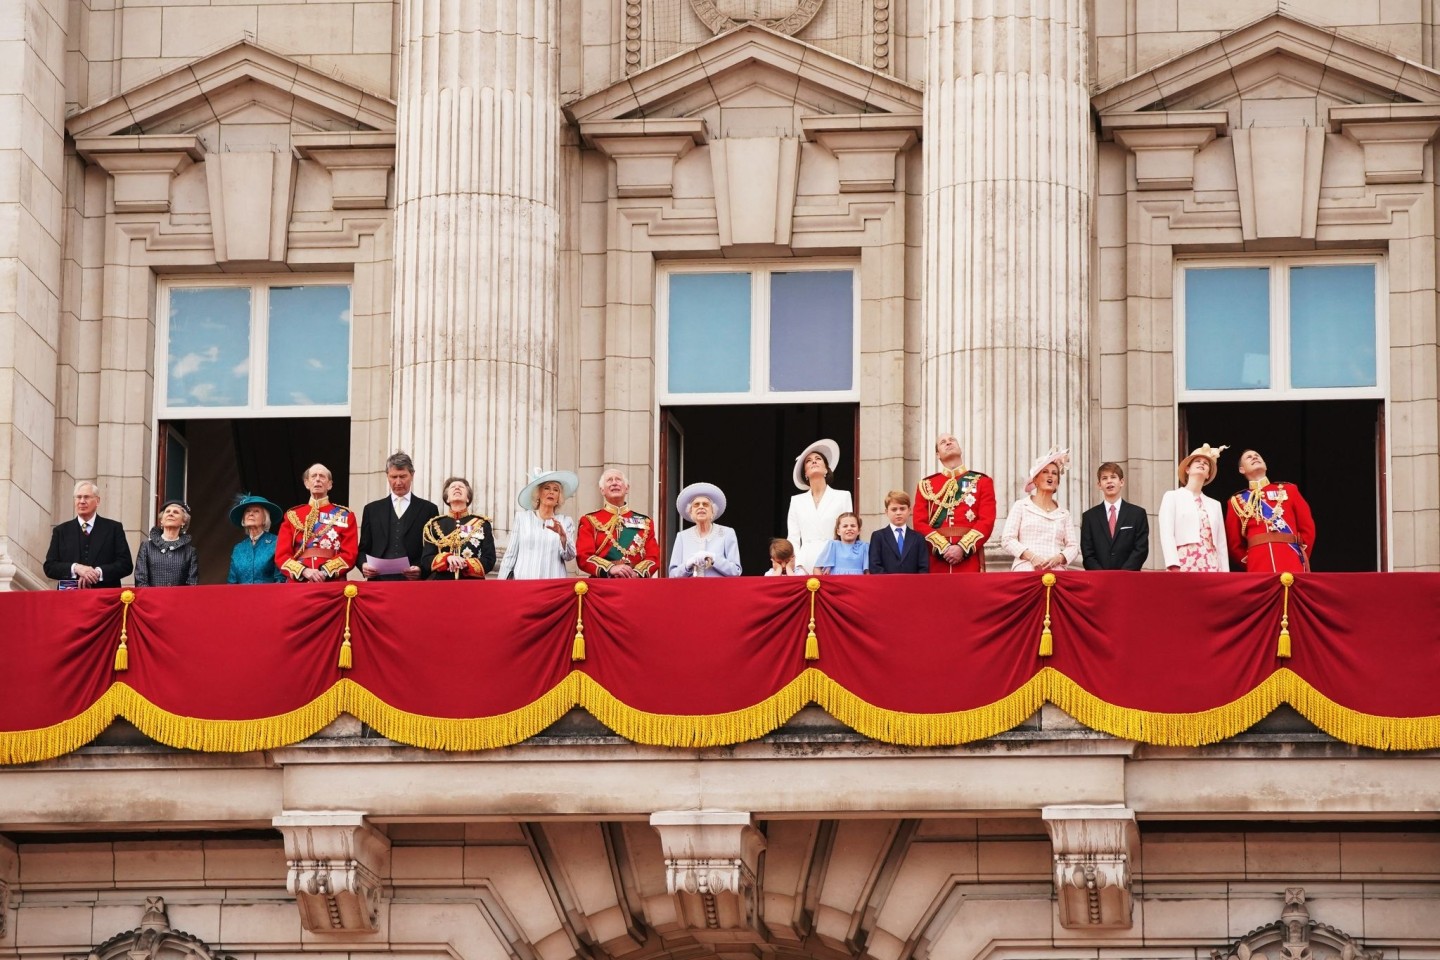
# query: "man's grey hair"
[613,471]
[305,477]
[87,485]
[399,460]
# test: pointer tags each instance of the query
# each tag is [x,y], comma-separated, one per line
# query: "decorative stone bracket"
[712,861]
[359,165]
[1093,846]
[645,151]
[1392,136]
[1165,143]
[143,166]
[866,146]
[335,863]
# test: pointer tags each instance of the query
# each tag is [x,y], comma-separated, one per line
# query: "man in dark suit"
[895,547]
[89,549]
[391,526]
[1114,534]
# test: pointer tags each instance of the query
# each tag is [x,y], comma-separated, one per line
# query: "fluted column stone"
[473,389]
[1008,151]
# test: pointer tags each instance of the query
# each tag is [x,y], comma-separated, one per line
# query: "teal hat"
[237,512]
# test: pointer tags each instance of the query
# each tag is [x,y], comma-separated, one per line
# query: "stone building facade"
[248,236]
[685,237]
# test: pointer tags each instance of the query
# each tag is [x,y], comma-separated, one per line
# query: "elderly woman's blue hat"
[714,494]
[245,500]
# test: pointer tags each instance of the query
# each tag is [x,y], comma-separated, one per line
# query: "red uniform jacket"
[611,535]
[956,498]
[321,536]
[1278,509]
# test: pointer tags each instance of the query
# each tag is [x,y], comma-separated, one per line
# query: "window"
[1282,327]
[758,334]
[268,348]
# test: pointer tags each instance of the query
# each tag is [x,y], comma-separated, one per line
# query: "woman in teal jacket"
[253,559]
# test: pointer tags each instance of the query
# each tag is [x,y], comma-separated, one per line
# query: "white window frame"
[256,408]
[1280,388]
[760,272]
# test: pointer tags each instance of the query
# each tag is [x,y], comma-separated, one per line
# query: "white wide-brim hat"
[828,449]
[714,493]
[1061,458]
[569,483]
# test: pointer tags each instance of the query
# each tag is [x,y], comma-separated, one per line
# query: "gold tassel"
[122,652]
[346,660]
[812,642]
[1283,650]
[577,649]
[1047,639]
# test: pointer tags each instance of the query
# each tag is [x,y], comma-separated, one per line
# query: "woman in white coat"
[811,522]
[1192,527]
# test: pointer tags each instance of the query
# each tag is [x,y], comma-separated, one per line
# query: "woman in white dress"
[1038,532]
[542,539]
[1192,528]
[706,549]
[811,522]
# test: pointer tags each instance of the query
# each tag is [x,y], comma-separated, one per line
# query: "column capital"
[711,861]
[1093,846]
[335,863]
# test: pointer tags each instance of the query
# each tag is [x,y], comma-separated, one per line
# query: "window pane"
[812,327]
[309,346]
[709,333]
[1332,326]
[1227,328]
[209,351]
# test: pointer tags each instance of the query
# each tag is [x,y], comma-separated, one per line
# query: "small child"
[847,553]
[782,560]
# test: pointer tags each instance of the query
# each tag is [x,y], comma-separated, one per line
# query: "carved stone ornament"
[1295,936]
[4,907]
[335,863]
[782,16]
[711,862]
[154,940]
[1092,864]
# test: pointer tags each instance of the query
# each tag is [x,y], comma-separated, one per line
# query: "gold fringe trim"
[929,729]
[1164,729]
[443,733]
[696,730]
[722,729]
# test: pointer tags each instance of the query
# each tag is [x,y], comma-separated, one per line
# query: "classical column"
[32,240]
[473,387]
[1008,152]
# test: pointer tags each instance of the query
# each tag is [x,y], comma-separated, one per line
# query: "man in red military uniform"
[615,541]
[1268,525]
[955,511]
[318,540]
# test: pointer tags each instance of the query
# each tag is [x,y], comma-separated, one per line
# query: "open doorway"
[208,462]
[1332,449]
[749,452]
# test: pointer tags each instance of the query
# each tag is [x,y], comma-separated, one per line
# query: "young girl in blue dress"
[847,553]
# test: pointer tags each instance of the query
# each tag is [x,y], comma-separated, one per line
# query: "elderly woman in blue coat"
[253,559]
[706,549]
